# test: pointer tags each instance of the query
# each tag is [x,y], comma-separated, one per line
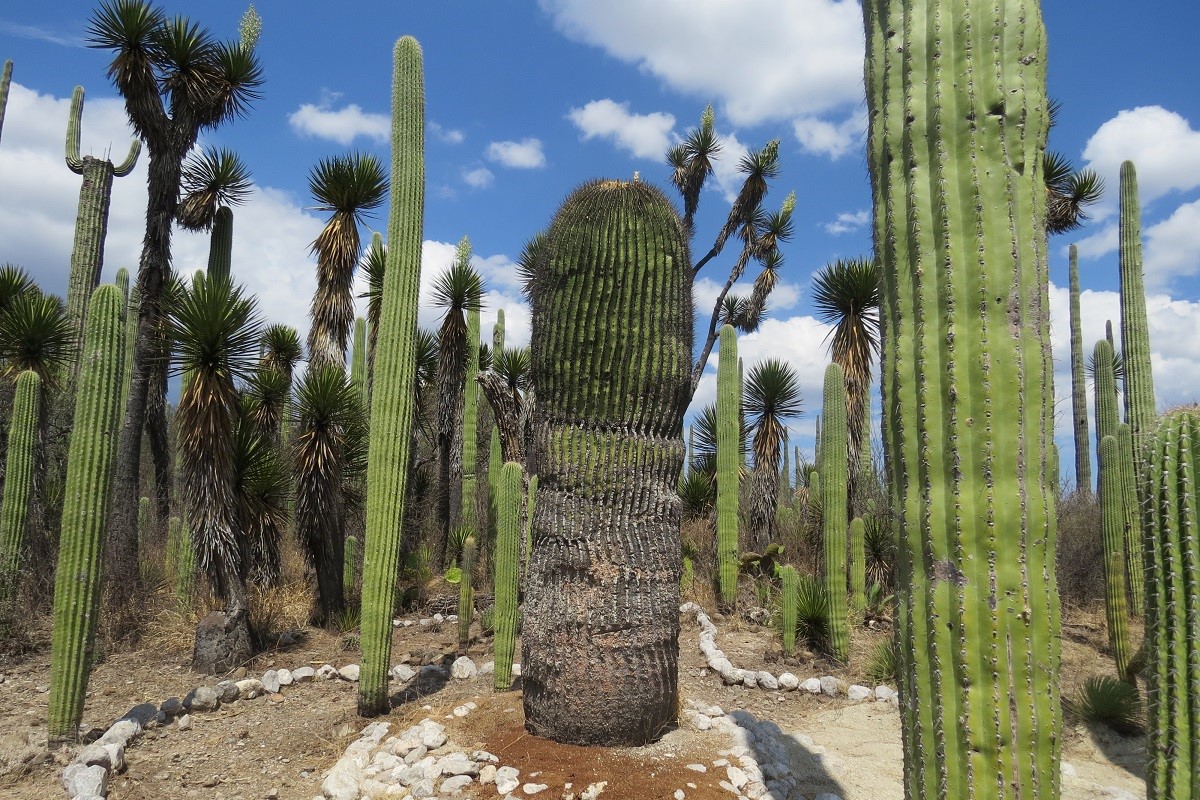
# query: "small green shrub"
[1104,700]
[882,665]
[812,611]
[486,621]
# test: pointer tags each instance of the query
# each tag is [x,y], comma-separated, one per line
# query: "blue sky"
[526,100]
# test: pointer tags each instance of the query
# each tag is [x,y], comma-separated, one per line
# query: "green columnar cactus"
[1112,526]
[833,463]
[530,502]
[85,510]
[358,359]
[865,456]
[91,221]
[728,465]
[220,244]
[498,332]
[788,604]
[857,564]
[466,595]
[185,564]
[144,523]
[1135,331]
[5,81]
[1083,454]
[958,117]
[470,420]
[132,306]
[612,386]
[817,438]
[507,572]
[349,565]
[122,281]
[18,479]
[395,375]
[171,563]
[1172,531]
[799,468]
[1106,396]
[495,462]
[1135,566]
[785,473]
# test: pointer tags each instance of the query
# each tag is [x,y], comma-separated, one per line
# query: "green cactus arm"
[1083,455]
[20,463]
[530,502]
[358,359]
[834,468]
[728,464]
[507,572]
[349,565]
[395,374]
[1112,516]
[74,161]
[498,332]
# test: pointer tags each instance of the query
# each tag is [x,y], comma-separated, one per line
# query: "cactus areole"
[957,108]
[611,353]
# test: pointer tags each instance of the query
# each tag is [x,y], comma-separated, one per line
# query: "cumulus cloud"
[447,135]
[848,222]
[342,125]
[706,290]
[501,291]
[1172,247]
[830,139]
[478,177]
[525,154]
[762,59]
[1162,145]
[725,170]
[643,135]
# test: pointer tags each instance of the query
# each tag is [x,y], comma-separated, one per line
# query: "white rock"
[737,777]
[484,757]
[326,672]
[699,721]
[250,688]
[749,679]
[416,754]
[270,681]
[487,668]
[812,685]
[767,681]
[423,788]
[433,735]
[788,682]
[697,767]
[303,674]
[463,668]
[458,764]
[832,686]
[285,677]
[460,711]
[403,673]
[884,693]
[754,790]
[349,672]
[375,732]
[455,784]
[342,780]
[185,722]
[516,670]
[487,774]
[593,790]
[507,779]
[858,693]
[534,788]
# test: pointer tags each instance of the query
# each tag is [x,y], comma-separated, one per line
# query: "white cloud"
[830,139]
[1172,247]
[1162,145]
[1100,243]
[706,290]
[643,135]
[478,178]
[525,154]
[725,170]
[500,291]
[447,135]
[848,222]
[343,125]
[762,59]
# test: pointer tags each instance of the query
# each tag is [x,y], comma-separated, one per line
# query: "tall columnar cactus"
[1172,529]
[144,524]
[785,473]
[958,117]
[91,221]
[85,510]
[395,375]
[788,606]
[507,567]
[1103,383]
[18,479]
[833,464]
[470,419]
[530,504]
[466,593]
[220,244]
[857,564]
[728,465]
[5,81]
[612,387]
[1083,454]
[358,359]
[132,305]
[1135,331]
[498,332]
[1135,567]
[1112,527]
[349,565]
[122,281]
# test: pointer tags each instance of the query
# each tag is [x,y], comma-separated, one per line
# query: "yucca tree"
[1067,191]
[212,179]
[692,160]
[504,385]
[329,454]
[374,261]
[176,81]
[263,488]
[272,382]
[846,296]
[348,186]
[457,291]
[216,329]
[771,397]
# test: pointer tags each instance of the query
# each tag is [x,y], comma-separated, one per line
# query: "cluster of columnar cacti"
[470,423]
[1112,527]
[833,464]
[466,593]
[85,510]
[18,479]
[1083,455]
[506,568]
[394,374]
[958,118]
[1172,538]
[788,605]
[728,464]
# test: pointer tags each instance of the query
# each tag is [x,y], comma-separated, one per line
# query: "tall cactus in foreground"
[833,464]
[85,511]
[612,387]
[507,572]
[728,464]
[395,375]
[466,593]
[958,116]
[1083,454]
[1172,529]
[788,606]
[1135,571]
[18,479]
[1135,331]
[470,419]
[1112,527]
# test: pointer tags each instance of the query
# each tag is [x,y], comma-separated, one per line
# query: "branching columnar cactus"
[85,510]
[507,565]
[1172,527]
[1112,526]
[466,593]
[18,480]
[1135,331]
[958,116]
[611,363]
[728,465]
[470,420]
[857,565]
[1135,565]
[1083,454]
[349,565]
[788,606]
[833,464]
[395,374]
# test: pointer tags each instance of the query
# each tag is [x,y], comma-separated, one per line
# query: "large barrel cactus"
[958,115]
[611,352]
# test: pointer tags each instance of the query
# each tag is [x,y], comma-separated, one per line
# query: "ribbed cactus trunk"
[395,376]
[1135,565]
[1172,526]
[466,593]
[349,566]
[1104,383]
[958,119]
[857,565]
[1112,527]
[1140,411]
[470,421]
[85,510]
[832,463]
[788,606]
[19,479]
[611,358]
[1083,453]
[507,566]
[728,465]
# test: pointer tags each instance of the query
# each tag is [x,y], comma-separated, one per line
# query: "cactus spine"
[85,510]
[18,480]
[470,419]
[728,464]
[1172,530]
[395,374]
[1083,455]
[1135,566]
[958,118]
[1112,526]
[507,572]
[788,605]
[349,565]
[833,466]
[1135,331]
[466,595]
